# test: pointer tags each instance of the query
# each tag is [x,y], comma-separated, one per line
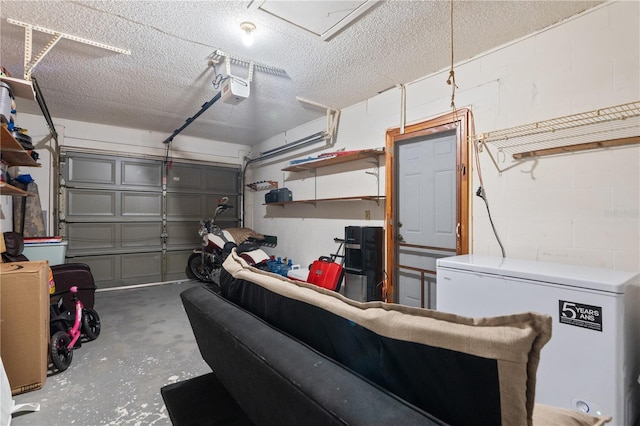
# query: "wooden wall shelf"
[375,198]
[12,152]
[14,155]
[330,161]
[6,189]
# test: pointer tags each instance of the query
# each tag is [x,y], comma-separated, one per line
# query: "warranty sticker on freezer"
[581,315]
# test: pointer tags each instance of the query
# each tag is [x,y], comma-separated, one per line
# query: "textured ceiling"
[166,79]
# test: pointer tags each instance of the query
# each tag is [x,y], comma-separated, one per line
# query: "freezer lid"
[599,279]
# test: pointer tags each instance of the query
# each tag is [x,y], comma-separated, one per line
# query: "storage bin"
[53,252]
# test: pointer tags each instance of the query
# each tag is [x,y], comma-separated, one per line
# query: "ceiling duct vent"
[322,18]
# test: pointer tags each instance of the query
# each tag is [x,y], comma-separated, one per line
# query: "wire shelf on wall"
[601,128]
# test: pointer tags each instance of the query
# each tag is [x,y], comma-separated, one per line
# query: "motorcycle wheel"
[200,271]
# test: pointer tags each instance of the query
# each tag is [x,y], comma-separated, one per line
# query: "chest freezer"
[592,362]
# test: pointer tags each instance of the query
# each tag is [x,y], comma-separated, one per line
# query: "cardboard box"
[24,323]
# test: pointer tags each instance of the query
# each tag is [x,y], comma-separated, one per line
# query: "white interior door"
[426,216]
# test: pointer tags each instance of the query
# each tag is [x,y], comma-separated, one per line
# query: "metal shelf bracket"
[30,63]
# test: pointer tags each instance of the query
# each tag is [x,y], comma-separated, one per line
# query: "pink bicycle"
[67,329]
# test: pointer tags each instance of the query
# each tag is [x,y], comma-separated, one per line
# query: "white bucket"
[6,95]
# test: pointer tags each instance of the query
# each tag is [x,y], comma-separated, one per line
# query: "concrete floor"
[145,343]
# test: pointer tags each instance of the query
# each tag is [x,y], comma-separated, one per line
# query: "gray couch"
[289,353]
[277,380]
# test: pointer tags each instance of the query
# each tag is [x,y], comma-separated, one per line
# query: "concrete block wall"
[580,208]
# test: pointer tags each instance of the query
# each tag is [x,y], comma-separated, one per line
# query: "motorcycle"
[206,261]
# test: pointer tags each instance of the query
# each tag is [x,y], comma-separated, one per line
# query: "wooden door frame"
[458,120]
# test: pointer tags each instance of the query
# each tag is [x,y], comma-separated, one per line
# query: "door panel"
[135,173]
[145,266]
[141,235]
[224,181]
[426,204]
[411,225]
[176,262]
[417,257]
[411,294]
[184,177]
[445,208]
[82,203]
[135,204]
[183,235]
[91,237]
[105,269]
[91,170]
[185,206]
[203,179]
[426,190]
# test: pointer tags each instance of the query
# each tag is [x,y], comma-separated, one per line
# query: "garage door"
[135,221]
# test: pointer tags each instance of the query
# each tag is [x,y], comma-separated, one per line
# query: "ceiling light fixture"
[248,28]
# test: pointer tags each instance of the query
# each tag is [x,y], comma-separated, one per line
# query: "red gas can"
[325,273]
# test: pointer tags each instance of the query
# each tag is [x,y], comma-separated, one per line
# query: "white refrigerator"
[592,362]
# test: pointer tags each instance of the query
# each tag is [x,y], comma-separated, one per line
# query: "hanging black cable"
[480,193]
